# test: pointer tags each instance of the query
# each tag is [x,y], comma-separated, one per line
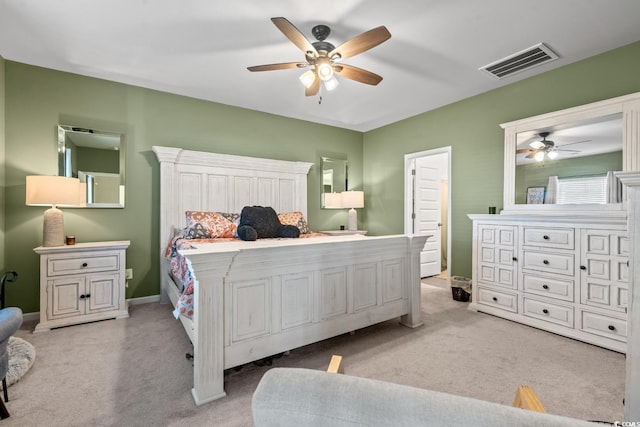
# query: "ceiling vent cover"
[520,61]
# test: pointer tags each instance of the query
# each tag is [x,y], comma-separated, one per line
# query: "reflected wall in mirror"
[587,142]
[560,157]
[97,158]
[334,177]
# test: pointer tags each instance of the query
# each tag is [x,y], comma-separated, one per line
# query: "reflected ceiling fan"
[538,149]
[324,58]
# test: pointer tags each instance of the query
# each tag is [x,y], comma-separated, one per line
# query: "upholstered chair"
[10,321]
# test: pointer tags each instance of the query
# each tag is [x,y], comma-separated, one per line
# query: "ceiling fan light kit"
[323,57]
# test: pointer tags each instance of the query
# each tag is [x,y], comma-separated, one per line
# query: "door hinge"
[413,171]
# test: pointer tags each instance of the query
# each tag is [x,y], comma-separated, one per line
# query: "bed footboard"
[253,302]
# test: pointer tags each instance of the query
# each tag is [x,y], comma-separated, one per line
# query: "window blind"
[592,189]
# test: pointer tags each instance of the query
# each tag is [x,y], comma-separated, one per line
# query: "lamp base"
[353,220]
[53,228]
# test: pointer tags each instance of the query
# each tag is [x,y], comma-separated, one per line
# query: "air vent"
[521,61]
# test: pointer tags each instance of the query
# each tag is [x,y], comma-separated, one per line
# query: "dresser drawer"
[58,266]
[547,311]
[498,299]
[561,238]
[604,325]
[549,262]
[551,287]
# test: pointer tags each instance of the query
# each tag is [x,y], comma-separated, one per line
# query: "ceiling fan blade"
[293,34]
[314,88]
[357,74]
[361,43]
[280,66]
[523,150]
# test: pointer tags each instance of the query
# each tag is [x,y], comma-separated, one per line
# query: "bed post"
[209,324]
[413,319]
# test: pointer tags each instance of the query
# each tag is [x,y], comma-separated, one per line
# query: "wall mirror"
[584,145]
[334,177]
[97,158]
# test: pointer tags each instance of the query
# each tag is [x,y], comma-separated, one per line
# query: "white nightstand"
[82,283]
[344,232]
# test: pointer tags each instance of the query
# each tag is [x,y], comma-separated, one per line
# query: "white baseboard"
[26,317]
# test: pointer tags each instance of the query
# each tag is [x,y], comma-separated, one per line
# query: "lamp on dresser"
[353,200]
[53,191]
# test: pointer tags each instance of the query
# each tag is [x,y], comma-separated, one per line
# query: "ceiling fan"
[538,149]
[324,58]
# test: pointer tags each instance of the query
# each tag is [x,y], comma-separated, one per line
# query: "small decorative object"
[71,240]
[535,195]
[492,210]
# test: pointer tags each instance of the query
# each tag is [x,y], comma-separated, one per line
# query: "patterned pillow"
[294,218]
[207,225]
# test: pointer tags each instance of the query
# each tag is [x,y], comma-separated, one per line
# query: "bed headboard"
[201,181]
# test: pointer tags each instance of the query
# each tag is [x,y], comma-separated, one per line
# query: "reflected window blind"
[592,189]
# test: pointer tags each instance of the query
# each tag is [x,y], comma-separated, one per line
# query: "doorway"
[427,207]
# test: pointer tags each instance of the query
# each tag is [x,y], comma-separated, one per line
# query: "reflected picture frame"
[535,195]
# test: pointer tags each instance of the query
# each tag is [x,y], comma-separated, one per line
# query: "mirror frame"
[62,131]
[628,105]
[326,159]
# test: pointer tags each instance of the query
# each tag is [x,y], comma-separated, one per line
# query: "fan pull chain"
[320,100]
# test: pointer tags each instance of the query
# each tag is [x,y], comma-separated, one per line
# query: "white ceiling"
[201,48]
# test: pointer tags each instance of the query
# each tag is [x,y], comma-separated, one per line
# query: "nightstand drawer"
[553,288]
[604,325]
[561,238]
[550,262]
[58,266]
[548,312]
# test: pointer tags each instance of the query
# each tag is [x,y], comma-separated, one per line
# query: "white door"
[428,188]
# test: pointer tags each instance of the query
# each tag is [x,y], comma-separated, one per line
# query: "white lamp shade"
[333,200]
[353,199]
[53,190]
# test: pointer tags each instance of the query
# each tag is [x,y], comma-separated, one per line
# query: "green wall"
[2,162]
[37,99]
[471,128]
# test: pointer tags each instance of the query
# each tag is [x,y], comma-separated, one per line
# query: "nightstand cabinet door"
[82,283]
[64,297]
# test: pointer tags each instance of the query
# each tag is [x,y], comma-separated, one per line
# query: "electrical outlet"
[128,274]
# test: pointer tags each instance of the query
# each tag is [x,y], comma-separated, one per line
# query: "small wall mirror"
[96,158]
[334,177]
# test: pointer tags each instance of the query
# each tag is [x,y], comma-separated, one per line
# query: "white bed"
[256,299]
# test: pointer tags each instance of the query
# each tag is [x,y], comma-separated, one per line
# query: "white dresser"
[559,273]
[81,283]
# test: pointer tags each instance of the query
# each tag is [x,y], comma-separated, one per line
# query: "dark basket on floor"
[460,294]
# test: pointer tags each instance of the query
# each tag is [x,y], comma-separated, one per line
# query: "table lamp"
[52,191]
[352,200]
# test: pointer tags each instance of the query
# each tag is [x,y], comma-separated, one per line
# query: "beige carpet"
[133,372]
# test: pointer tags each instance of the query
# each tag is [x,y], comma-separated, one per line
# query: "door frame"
[408,194]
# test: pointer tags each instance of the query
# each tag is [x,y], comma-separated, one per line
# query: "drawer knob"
[545,237]
[514,259]
[82,296]
[582,267]
[495,299]
[545,262]
[612,328]
[84,264]
[545,311]
[545,287]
